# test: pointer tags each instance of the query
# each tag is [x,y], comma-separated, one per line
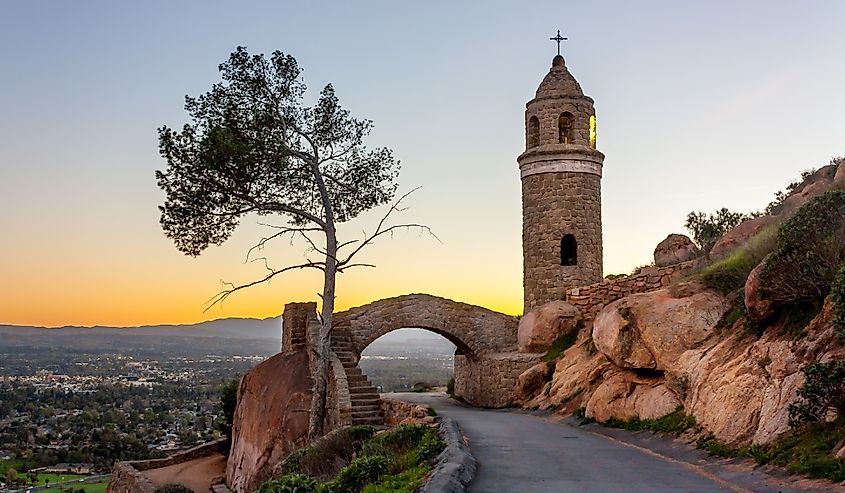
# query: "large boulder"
[757,308]
[839,182]
[740,234]
[674,250]
[818,183]
[651,330]
[529,382]
[271,418]
[625,396]
[539,328]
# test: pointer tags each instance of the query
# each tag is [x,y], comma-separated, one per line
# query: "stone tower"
[561,190]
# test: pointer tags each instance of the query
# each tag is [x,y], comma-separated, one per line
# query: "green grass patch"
[86,487]
[405,482]
[395,460]
[673,423]
[730,273]
[560,345]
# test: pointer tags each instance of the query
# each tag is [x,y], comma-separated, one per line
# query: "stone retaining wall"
[338,401]
[592,298]
[127,477]
[394,412]
[490,381]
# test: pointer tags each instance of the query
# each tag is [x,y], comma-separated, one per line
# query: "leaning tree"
[252,147]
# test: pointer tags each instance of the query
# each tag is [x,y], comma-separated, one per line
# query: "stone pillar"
[295,324]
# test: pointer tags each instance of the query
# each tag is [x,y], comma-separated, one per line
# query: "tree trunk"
[323,343]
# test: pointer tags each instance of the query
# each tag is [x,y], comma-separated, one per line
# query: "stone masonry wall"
[294,321]
[395,412]
[553,205]
[489,381]
[592,298]
[127,477]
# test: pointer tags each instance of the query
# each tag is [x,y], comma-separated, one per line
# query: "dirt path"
[197,474]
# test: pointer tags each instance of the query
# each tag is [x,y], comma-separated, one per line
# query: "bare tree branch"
[382,230]
[221,296]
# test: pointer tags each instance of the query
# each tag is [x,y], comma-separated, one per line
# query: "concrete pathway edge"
[456,466]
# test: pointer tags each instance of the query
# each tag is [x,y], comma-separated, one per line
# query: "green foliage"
[252,146]
[429,411]
[228,402]
[561,344]
[821,395]
[290,483]
[355,457]
[673,423]
[730,273]
[807,450]
[359,473]
[580,415]
[837,297]
[405,482]
[429,448]
[706,229]
[173,488]
[360,433]
[421,387]
[810,249]
[450,386]
[715,447]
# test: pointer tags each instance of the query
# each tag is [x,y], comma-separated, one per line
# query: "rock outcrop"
[758,308]
[652,352]
[529,382]
[271,418]
[539,328]
[650,330]
[740,234]
[674,250]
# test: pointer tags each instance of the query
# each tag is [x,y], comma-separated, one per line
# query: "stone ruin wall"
[128,477]
[592,298]
[490,381]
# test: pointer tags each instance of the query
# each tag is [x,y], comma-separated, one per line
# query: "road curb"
[456,466]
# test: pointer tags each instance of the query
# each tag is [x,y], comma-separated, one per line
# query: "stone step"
[368,421]
[363,393]
[353,371]
[358,380]
[362,408]
[365,398]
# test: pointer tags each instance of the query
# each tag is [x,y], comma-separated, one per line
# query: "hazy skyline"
[699,106]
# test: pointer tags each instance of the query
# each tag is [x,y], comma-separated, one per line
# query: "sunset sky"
[700,105]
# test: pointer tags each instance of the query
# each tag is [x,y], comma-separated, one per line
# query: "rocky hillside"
[726,343]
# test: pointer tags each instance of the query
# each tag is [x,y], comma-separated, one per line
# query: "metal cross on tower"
[558,38]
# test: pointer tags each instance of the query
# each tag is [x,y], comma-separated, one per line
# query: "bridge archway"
[473,330]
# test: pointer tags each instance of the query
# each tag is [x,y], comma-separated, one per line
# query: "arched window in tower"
[593,131]
[565,128]
[533,132]
[568,250]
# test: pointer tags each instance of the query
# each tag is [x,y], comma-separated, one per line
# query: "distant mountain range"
[227,328]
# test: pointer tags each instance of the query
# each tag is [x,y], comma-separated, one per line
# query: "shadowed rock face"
[538,329]
[271,419]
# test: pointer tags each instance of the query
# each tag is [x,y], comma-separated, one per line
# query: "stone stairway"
[366,407]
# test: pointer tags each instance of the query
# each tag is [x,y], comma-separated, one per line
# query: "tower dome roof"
[559,82]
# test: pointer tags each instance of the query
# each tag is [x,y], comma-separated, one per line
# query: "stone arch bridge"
[486,359]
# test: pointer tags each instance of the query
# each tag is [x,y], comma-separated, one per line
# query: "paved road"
[520,452]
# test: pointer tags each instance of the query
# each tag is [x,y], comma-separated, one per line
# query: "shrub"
[430,447]
[228,403]
[673,423]
[404,482]
[290,483]
[837,297]
[706,229]
[822,393]
[450,386]
[359,473]
[173,488]
[810,249]
[322,459]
